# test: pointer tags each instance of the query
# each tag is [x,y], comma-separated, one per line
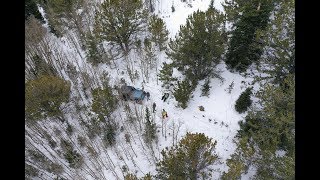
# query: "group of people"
[164,113]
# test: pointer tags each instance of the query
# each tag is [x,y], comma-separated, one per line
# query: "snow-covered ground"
[182,11]
[219,120]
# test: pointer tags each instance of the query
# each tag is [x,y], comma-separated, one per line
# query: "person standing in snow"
[164,114]
[154,107]
[165,97]
[148,95]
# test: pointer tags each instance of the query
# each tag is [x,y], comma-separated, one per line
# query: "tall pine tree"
[31,8]
[159,33]
[248,17]
[44,96]
[118,21]
[190,159]
[279,53]
[104,102]
[199,45]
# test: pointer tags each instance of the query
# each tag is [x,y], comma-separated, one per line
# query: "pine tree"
[273,127]
[272,166]
[270,129]
[94,50]
[165,75]
[183,91]
[240,160]
[149,60]
[104,102]
[148,176]
[44,96]
[250,16]
[118,21]
[244,101]
[279,38]
[131,177]
[150,129]
[190,159]
[32,9]
[159,33]
[74,159]
[41,67]
[109,136]
[63,14]
[199,45]
[30,171]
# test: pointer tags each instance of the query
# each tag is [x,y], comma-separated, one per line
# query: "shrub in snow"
[206,88]
[243,101]
[81,141]
[127,137]
[231,87]
[69,129]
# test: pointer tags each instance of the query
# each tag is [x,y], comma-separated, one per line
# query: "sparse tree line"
[58,89]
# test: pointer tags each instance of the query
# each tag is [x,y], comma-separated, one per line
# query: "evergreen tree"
[248,17]
[44,96]
[190,159]
[74,159]
[150,128]
[271,166]
[30,171]
[149,60]
[240,160]
[279,39]
[183,91]
[104,102]
[273,126]
[94,50]
[131,177]
[110,134]
[31,8]
[270,129]
[148,176]
[34,33]
[118,21]
[159,33]
[199,45]
[41,67]
[63,14]
[244,101]
[165,74]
